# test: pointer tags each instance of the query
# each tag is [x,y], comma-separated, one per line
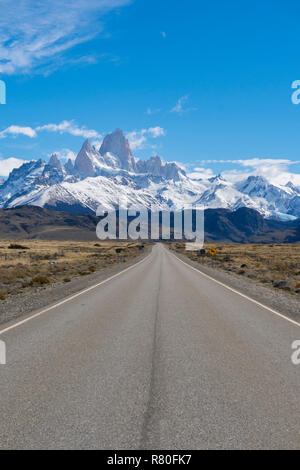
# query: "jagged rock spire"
[87,160]
[117,145]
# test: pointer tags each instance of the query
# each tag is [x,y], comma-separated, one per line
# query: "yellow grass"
[46,262]
[268,264]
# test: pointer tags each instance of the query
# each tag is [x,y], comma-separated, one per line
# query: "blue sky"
[204,83]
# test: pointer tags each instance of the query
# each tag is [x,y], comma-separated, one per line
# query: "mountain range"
[100,176]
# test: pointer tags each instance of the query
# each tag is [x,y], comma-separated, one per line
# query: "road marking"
[237,292]
[68,299]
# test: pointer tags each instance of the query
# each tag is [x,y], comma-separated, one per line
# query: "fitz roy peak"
[101,176]
[117,145]
[115,153]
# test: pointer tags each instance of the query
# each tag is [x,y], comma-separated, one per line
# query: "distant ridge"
[240,226]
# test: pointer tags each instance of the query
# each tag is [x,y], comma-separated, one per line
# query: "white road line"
[68,299]
[237,292]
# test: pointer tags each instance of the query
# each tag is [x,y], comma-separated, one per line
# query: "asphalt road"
[159,357]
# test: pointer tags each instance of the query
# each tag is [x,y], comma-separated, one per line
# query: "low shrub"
[40,280]
[15,246]
[3,295]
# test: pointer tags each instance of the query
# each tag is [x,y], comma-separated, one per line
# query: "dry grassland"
[277,266]
[35,264]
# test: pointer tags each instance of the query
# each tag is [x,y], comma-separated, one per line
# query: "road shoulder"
[277,300]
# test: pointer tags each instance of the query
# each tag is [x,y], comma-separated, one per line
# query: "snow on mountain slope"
[278,200]
[100,177]
[21,181]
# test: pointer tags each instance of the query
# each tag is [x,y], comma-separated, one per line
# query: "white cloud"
[18,130]
[179,108]
[137,139]
[276,170]
[69,127]
[156,132]
[66,154]
[201,173]
[8,164]
[65,127]
[151,111]
[179,105]
[34,34]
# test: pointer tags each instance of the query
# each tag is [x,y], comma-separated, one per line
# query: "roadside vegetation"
[36,264]
[276,266]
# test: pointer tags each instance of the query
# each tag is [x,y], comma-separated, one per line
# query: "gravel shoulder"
[37,298]
[283,302]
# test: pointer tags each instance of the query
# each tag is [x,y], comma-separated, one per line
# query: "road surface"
[159,357]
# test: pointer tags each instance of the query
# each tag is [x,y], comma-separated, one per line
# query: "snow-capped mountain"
[102,177]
